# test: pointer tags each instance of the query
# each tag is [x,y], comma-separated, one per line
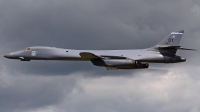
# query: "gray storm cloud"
[90,24]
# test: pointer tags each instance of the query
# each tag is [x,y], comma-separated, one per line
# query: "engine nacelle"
[120,63]
[174,59]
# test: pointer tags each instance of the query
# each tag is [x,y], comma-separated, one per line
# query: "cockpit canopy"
[28,49]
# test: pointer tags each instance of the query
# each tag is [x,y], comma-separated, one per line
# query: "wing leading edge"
[88,55]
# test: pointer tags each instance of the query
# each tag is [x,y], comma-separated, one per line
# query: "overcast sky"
[62,86]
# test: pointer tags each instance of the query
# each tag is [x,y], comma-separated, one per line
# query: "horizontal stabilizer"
[88,55]
[174,47]
[186,49]
[169,47]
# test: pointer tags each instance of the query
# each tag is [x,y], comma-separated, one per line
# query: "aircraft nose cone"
[7,56]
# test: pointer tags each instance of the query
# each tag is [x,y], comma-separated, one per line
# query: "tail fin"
[169,45]
[172,39]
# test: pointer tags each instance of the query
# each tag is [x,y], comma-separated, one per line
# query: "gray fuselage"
[163,52]
[52,53]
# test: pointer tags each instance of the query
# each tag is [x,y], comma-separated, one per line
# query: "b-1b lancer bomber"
[163,52]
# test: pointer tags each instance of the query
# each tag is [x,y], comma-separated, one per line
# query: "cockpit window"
[28,49]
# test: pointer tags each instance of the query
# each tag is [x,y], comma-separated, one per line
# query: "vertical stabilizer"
[172,39]
[169,44]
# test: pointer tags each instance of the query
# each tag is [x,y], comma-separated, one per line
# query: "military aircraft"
[163,52]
